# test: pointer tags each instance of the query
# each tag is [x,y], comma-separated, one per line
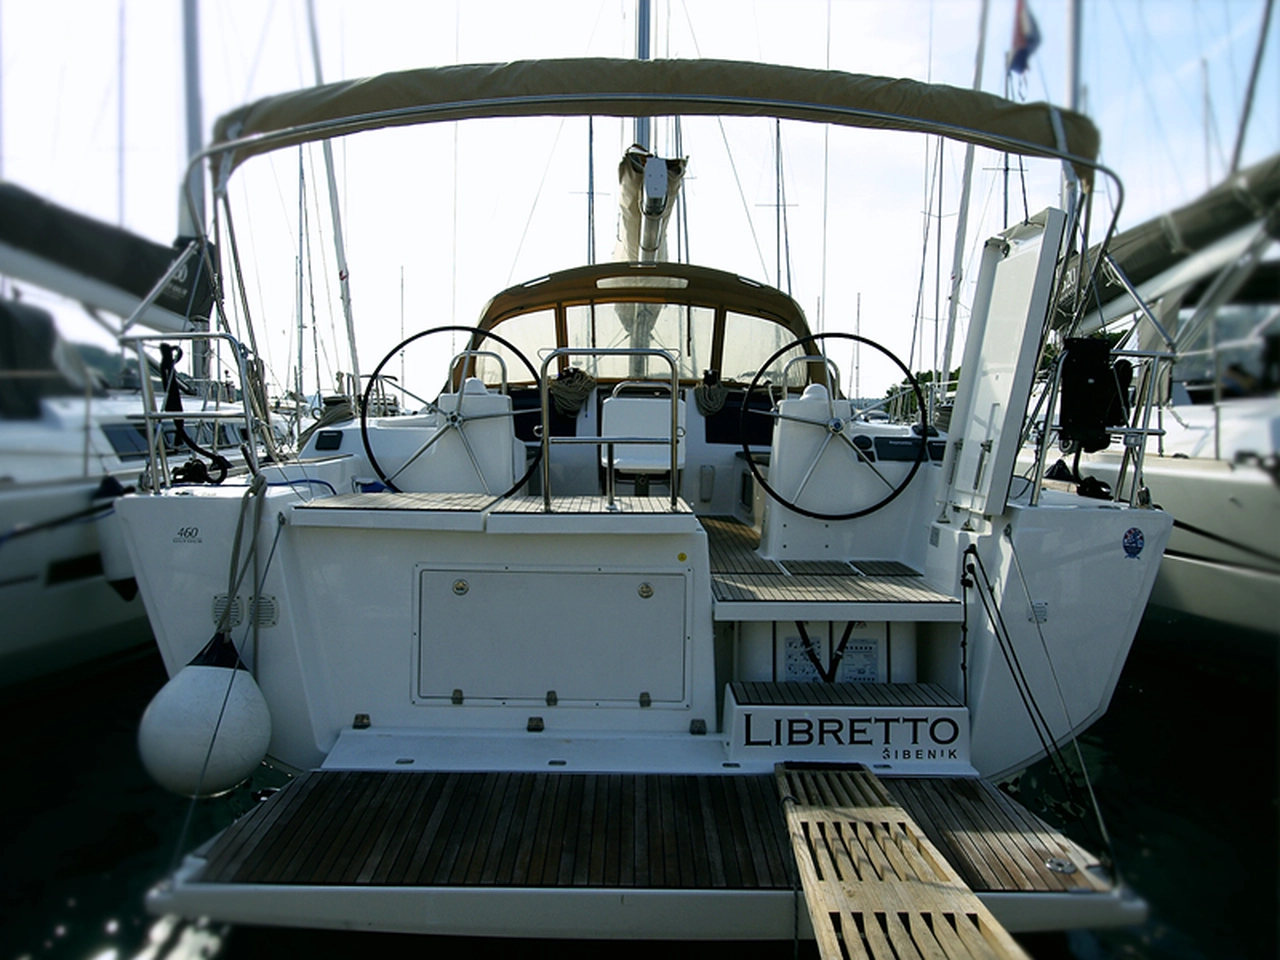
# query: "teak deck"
[739,573]
[511,830]
[995,844]
[549,829]
[874,884]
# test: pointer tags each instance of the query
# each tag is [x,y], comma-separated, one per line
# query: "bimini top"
[631,88]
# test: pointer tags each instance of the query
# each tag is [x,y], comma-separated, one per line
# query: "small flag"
[1026,38]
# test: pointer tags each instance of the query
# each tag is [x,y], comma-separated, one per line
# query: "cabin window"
[1246,355]
[749,342]
[684,330]
[129,440]
[529,333]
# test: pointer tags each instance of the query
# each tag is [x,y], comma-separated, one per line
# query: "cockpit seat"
[464,443]
[625,416]
[809,464]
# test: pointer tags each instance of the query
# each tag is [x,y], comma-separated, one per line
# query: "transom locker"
[588,636]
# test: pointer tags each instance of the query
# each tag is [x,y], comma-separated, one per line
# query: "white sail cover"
[630,88]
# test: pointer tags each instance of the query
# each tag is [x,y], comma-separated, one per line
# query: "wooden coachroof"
[652,283]
[664,283]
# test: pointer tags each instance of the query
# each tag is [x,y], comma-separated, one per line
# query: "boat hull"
[60,611]
[1223,558]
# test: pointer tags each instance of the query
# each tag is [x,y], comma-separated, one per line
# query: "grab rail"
[1133,434]
[605,441]
[158,462]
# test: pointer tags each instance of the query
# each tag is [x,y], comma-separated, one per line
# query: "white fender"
[179,723]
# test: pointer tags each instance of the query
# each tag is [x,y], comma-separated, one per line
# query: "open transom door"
[1010,310]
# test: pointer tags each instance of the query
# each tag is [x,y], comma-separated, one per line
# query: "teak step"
[875,886]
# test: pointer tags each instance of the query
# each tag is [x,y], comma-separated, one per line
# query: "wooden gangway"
[876,888]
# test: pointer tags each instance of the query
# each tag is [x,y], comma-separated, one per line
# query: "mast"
[642,53]
[187,219]
[339,246]
[1253,82]
[302,226]
[191,205]
[962,222]
[120,119]
[1073,96]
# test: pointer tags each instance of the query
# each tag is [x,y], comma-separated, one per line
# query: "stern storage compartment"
[590,636]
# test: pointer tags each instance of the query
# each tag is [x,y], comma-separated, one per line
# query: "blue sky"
[1145,66]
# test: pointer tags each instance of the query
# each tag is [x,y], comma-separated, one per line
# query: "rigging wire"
[924,249]
[1057,686]
[733,166]
[252,72]
[533,207]
[1171,156]
[1004,641]
[316,218]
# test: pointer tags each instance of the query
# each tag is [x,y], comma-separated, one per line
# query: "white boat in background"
[537,649]
[70,440]
[1210,273]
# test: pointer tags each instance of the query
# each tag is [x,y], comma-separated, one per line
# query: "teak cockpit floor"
[481,502]
[739,573]
[397,500]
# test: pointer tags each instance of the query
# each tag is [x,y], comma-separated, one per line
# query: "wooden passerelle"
[875,886]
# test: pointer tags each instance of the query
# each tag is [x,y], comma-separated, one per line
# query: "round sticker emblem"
[1132,542]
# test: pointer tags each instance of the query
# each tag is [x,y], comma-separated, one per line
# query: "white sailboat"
[536,650]
[70,441]
[1209,272]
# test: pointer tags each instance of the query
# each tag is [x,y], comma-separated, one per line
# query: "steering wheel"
[451,420]
[834,428]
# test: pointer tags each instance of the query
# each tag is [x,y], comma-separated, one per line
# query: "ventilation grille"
[265,609]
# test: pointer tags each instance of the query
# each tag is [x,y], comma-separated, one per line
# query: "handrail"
[608,442]
[1133,436]
[469,355]
[158,462]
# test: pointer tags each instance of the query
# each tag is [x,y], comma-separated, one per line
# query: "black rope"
[169,357]
[828,673]
[23,530]
[1005,641]
[1200,532]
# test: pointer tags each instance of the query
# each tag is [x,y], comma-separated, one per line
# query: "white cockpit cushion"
[642,417]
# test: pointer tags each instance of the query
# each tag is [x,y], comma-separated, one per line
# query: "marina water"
[1184,766]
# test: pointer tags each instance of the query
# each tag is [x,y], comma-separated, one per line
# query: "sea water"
[1183,766]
